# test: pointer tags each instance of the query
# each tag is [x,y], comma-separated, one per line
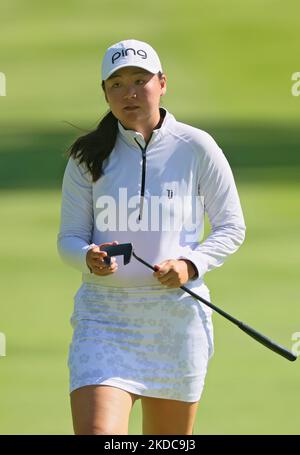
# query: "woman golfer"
[143,178]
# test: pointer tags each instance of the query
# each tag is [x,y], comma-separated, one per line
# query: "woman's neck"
[147,129]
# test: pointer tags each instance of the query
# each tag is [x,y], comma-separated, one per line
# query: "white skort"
[152,341]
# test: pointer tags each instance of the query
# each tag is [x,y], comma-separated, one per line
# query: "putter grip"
[267,342]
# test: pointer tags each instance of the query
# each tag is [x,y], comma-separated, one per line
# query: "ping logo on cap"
[125,52]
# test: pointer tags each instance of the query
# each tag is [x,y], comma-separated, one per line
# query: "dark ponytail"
[93,148]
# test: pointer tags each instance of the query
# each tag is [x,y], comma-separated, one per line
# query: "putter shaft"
[267,342]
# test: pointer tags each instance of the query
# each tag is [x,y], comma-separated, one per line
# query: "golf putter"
[126,250]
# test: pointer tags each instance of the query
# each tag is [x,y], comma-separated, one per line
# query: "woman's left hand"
[173,273]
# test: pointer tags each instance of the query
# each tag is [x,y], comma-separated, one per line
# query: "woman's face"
[133,95]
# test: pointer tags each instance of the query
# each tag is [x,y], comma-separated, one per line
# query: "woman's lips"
[131,108]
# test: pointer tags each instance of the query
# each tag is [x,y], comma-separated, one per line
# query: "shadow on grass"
[37,159]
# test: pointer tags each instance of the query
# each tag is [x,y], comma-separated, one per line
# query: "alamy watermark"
[155,213]
[2,84]
[2,345]
[296,86]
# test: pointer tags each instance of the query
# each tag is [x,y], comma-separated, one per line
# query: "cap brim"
[126,65]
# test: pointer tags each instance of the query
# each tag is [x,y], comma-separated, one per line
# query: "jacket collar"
[131,136]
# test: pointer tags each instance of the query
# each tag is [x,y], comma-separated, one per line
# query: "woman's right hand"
[96,264]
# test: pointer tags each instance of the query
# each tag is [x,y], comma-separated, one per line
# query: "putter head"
[123,249]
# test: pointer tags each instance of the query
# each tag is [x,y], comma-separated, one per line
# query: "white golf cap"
[130,53]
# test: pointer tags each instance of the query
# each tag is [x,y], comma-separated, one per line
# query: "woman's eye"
[140,81]
[115,85]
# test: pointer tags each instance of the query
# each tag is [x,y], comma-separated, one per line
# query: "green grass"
[223,64]
[249,390]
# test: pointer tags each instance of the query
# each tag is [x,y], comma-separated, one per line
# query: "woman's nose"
[130,92]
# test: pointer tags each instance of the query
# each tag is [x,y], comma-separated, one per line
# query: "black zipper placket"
[143,149]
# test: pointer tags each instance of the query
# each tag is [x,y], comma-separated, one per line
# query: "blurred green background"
[229,68]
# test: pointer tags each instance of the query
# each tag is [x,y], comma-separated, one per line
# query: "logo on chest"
[170,193]
[170,190]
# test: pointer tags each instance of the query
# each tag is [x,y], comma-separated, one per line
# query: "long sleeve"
[76,222]
[222,205]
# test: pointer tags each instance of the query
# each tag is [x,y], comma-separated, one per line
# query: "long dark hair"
[94,147]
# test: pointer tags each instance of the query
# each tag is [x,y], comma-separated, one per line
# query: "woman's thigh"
[101,409]
[164,416]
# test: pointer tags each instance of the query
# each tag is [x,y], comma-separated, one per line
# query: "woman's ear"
[163,84]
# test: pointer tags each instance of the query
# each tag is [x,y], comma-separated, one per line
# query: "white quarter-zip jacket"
[155,196]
